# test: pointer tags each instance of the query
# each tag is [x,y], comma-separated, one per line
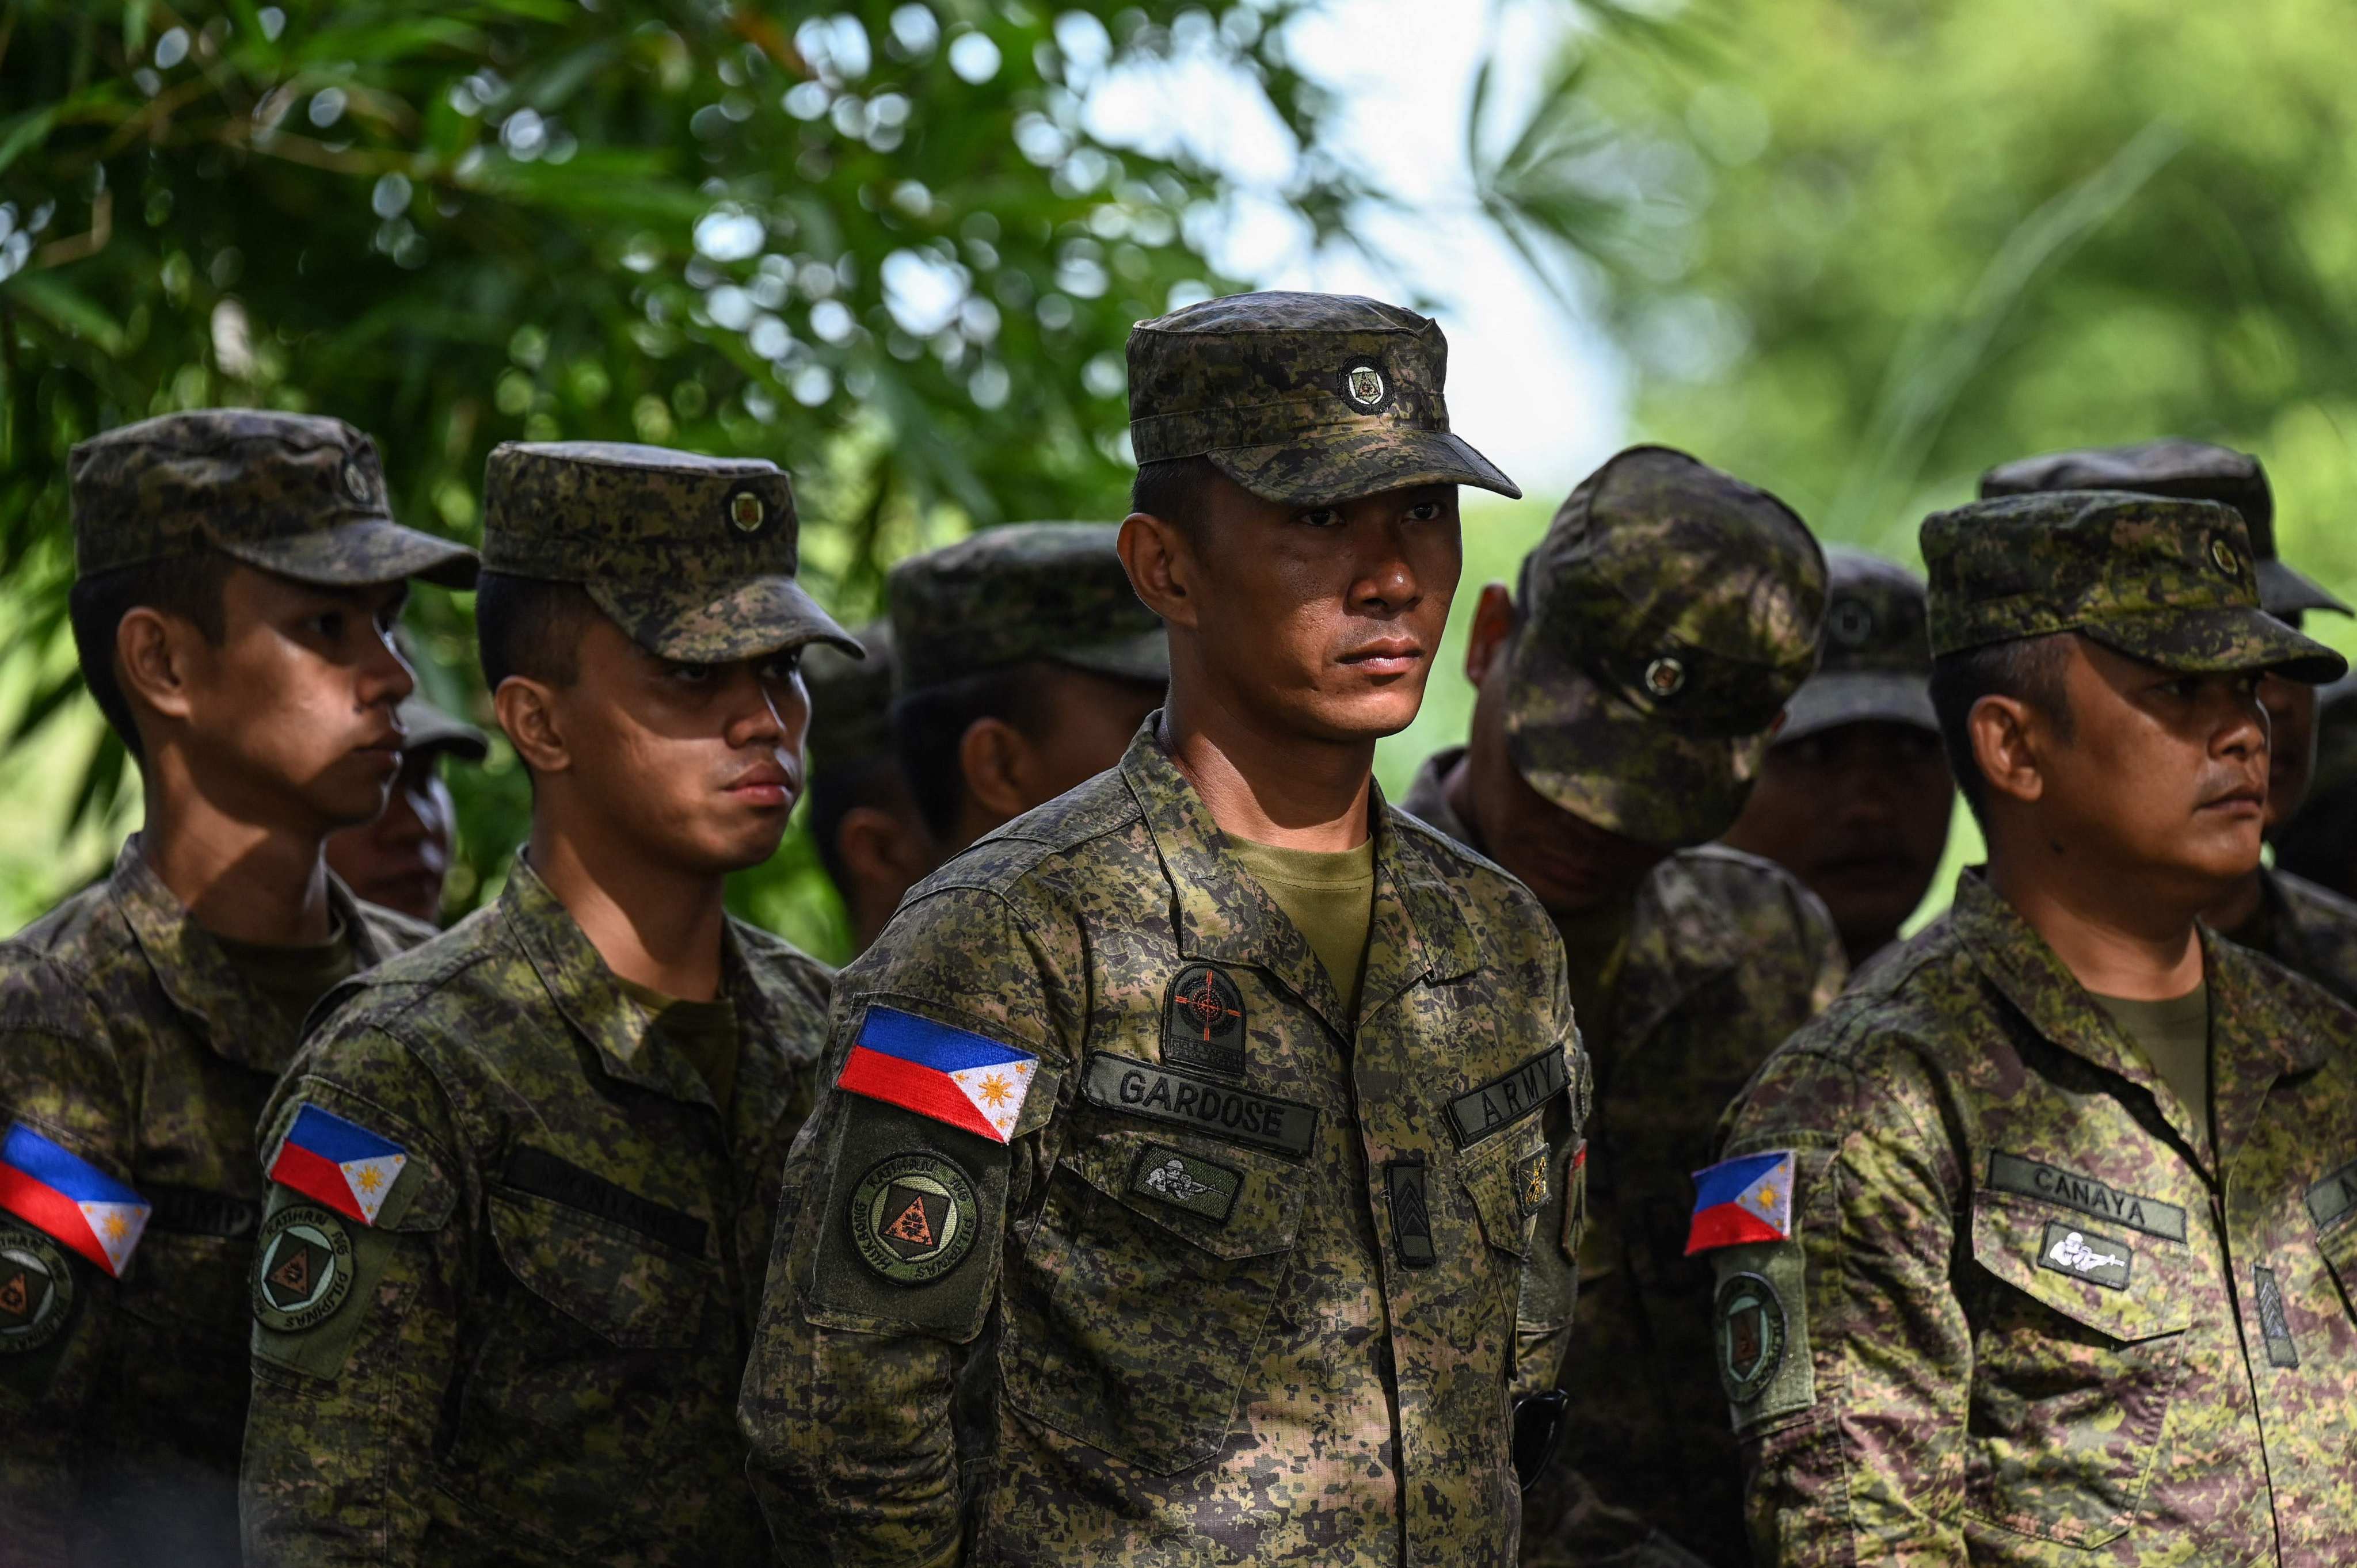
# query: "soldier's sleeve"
[364,1259]
[1551,1279]
[1844,1348]
[887,1254]
[59,1082]
[1822,952]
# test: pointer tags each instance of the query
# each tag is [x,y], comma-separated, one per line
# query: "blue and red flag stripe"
[970,1081]
[1748,1198]
[339,1162]
[66,1197]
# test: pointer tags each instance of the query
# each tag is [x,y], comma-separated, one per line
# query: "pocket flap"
[1231,1202]
[607,1278]
[2120,1283]
[1510,1185]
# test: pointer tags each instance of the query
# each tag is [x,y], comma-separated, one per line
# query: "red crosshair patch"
[1204,1003]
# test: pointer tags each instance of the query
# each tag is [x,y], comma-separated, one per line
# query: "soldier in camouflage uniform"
[238,575]
[872,841]
[1026,664]
[402,859]
[2319,845]
[2309,929]
[1625,694]
[1183,1164]
[1854,796]
[524,1176]
[2038,1247]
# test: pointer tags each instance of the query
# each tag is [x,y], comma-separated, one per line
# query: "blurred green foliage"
[877,243]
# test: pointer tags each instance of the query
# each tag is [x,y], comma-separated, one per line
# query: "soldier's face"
[694,767]
[290,718]
[1325,619]
[400,859]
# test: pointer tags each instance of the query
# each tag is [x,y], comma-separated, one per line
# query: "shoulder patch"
[72,1201]
[1760,1328]
[967,1080]
[1752,1334]
[914,1217]
[1747,1198]
[339,1163]
[37,1289]
[302,1268]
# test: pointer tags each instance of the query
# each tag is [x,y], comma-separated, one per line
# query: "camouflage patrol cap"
[850,700]
[1301,398]
[693,556]
[1030,590]
[296,494]
[1874,662]
[1666,618]
[2190,470]
[2167,582]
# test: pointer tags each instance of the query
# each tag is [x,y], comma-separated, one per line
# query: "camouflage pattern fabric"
[127,1037]
[2193,470]
[1874,660]
[1301,398]
[1667,615]
[296,494]
[538,1359]
[1030,590]
[2027,1316]
[2168,582]
[695,558]
[2310,930]
[850,699]
[1311,1360]
[1728,955]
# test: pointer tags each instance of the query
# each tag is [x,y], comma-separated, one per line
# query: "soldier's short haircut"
[529,627]
[2028,669]
[929,724]
[188,586]
[1176,489]
[834,792]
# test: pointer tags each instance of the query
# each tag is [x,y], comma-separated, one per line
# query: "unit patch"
[1203,1023]
[1202,1187]
[2330,1200]
[913,1217]
[1141,1088]
[37,1289]
[2274,1326]
[1365,387]
[2032,1178]
[1750,1335]
[1505,1100]
[303,1268]
[2083,1255]
[1409,1182]
[1530,1182]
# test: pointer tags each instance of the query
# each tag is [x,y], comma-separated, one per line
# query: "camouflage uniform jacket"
[1728,955]
[2310,930]
[539,1354]
[2026,1315]
[1248,1268]
[127,1038]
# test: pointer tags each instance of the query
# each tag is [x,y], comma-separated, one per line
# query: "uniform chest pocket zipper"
[1143,1289]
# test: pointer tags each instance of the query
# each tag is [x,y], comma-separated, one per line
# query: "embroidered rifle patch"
[2083,1255]
[1202,1187]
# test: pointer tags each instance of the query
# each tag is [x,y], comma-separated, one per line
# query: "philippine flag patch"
[68,1199]
[1745,1199]
[340,1163]
[969,1080]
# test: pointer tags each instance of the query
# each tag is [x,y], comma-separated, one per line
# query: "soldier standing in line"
[524,1178]
[1626,693]
[1189,1137]
[2319,845]
[1026,664]
[2038,1247]
[1854,796]
[2309,929]
[403,858]
[237,580]
[872,842]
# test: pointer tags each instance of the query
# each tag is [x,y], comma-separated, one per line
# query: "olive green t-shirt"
[290,980]
[1331,897]
[703,1032]
[2174,1036]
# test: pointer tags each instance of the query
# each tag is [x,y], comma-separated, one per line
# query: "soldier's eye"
[329,625]
[692,674]
[1424,512]
[1322,517]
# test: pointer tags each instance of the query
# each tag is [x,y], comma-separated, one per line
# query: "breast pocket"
[2077,1343]
[1143,1289]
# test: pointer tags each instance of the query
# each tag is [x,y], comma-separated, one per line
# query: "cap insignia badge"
[1665,677]
[356,483]
[746,513]
[1850,623]
[2224,555]
[1364,385]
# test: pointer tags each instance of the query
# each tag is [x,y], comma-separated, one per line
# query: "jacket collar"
[1220,914]
[196,972]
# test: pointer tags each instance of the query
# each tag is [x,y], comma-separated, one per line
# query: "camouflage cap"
[1874,662]
[850,700]
[693,557]
[296,494]
[1301,398]
[430,728]
[1030,590]
[2168,582]
[1666,618]
[2189,470]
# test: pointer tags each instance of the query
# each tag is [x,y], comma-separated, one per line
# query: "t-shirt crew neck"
[1330,895]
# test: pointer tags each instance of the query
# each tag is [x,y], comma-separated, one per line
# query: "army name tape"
[2330,1200]
[1505,1100]
[1141,1088]
[2034,1178]
[37,1289]
[302,1268]
[913,1217]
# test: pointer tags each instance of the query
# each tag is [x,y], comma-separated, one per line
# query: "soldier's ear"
[1159,555]
[527,711]
[1494,627]
[996,762]
[152,651]
[2004,746]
